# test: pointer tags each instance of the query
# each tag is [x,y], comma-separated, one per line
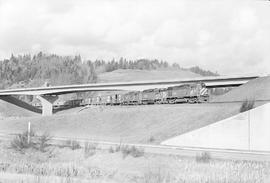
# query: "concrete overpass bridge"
[48,95]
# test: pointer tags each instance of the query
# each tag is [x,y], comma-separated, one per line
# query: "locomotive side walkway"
[48,95]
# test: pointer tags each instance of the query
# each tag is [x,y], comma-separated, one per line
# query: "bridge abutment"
[47,104]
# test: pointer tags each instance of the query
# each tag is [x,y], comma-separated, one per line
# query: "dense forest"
[33,71]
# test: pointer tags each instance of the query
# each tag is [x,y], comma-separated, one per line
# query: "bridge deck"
[211,82]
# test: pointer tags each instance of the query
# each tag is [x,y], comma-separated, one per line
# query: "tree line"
[33,71]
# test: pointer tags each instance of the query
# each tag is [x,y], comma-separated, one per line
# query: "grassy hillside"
[126,123]
[258,89]
[139,124]
[125,75]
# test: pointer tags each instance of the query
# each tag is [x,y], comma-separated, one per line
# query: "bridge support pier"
[47,104]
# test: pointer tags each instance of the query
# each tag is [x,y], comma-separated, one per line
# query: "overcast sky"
[231,37]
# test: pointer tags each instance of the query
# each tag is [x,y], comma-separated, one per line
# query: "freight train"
[185,93]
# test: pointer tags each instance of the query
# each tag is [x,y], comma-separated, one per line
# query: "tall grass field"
[128,164]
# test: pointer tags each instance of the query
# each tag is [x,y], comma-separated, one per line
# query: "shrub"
[125,151]
[117,148]
[203,157]
[20,142]
[89,149]
[247,105]
[43,141]
[136,152]
[133,151]
[151,139]
[73,144]
[111,150]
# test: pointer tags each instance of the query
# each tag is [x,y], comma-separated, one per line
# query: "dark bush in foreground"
[247,105]
[21,142]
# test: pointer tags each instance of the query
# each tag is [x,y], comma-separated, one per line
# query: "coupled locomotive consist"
[185,93]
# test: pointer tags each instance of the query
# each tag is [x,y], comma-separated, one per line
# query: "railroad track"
[236,101]
[225,154]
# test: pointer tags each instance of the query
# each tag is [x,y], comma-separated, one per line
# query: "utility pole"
[29,133]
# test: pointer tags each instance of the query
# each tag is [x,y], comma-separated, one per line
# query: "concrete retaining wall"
[246,131]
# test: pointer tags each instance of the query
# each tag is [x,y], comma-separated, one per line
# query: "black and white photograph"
[134,91]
